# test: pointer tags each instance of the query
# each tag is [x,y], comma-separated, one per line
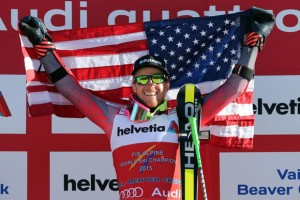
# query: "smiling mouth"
[150,93]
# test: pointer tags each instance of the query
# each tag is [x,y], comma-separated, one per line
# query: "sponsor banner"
[80,14]
[82,175]
[87,175]
[13,86]
[277,105]
[13,176]
[259,176]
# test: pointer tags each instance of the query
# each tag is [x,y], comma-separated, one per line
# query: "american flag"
[199,50]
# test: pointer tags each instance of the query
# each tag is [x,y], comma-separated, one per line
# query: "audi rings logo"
[131,193]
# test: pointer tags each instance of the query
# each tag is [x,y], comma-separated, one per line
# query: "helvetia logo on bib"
[148,129]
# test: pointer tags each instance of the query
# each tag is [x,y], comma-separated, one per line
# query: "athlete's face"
[151,94]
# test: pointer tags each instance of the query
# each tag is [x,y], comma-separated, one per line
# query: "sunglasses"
[144,79]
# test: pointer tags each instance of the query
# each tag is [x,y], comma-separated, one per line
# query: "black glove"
[34,29]
[263,21]
[37,34]
[259,27]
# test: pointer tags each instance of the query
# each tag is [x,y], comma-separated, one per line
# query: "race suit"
[146,157]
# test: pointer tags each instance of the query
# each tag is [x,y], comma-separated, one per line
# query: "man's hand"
[37,34]
[263,21]
[34,29]
[259,27]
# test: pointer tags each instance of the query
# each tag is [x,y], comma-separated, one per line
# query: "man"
[143,142]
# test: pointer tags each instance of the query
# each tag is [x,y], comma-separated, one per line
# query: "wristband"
[243,71]
[57,75]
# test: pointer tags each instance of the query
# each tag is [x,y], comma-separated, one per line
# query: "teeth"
[150,93]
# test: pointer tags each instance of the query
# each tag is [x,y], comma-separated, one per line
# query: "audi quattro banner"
[79,14]
[57,158]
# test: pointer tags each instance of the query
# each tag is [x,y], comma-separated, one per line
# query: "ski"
[189,101]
